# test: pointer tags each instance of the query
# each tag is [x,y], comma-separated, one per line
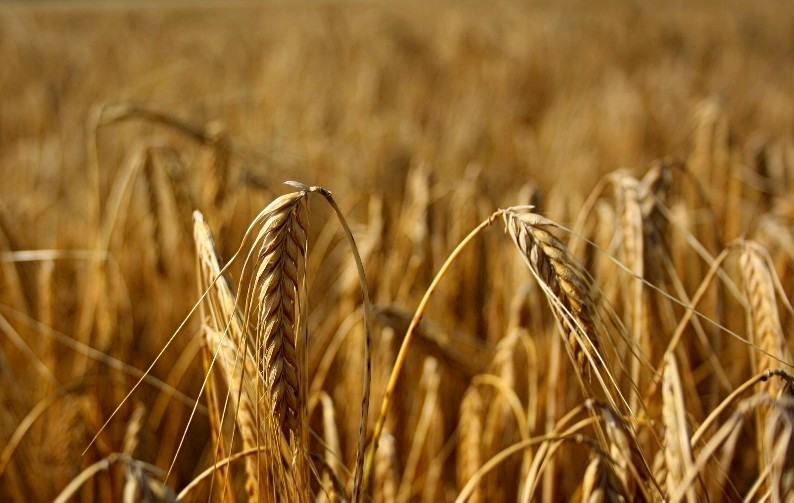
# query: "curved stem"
[362,431]
[402,356]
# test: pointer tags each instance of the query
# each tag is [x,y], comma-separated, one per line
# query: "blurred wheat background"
[626,339]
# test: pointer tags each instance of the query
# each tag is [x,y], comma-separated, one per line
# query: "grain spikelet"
[764,322]
[140,484]
[499,421]
[333,449]
[568,288]
[678,451]
[221,299]
[633,253]
[276,286]
[470,432]
[234,353]
[779,435]
[242,399]
[632,244]
[280,339]
[630,465]
[164,194]
[709,156]
[600,484]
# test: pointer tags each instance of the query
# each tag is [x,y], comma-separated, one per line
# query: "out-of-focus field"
[660,132]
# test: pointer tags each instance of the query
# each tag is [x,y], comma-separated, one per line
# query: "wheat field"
[364,251]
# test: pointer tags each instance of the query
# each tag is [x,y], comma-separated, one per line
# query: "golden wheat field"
[536,251]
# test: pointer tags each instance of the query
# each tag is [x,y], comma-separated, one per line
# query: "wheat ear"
[677,448]
[470,431]
[630,465]
[568,288]
[224,336]
[764,321]
[277,284]
[633,248]
[600,484]
[765,329]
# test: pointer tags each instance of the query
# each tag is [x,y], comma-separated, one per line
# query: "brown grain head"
[470,431]
[227,344]
[567,288]
[277,284]
[763,318]
[600,484]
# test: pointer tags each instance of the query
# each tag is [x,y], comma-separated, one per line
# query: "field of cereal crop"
[536,251]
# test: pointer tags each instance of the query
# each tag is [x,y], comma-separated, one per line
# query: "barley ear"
[678,449]
[470,432]
[226,341]
[566,285]
[277,283]
[600,484]
[763,319]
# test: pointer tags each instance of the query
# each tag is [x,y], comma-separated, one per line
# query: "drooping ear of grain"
[630,466]
[600,485]
[566,285]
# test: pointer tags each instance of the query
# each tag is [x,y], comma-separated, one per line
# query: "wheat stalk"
[386,470]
